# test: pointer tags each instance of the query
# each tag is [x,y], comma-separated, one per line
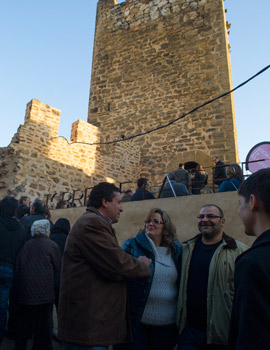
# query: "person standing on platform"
[142,190]
[219,171]
[183,176]
[179,188]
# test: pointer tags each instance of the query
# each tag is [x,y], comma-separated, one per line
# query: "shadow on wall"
[38,162]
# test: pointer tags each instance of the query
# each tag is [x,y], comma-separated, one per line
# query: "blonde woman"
[153,302]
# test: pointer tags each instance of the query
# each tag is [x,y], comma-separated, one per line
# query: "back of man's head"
[9,206]
[38,207]
[142,181]
[257,184]
[104,190]
[181,165]
[171,176]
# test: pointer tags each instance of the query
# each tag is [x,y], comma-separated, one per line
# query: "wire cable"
[172,121]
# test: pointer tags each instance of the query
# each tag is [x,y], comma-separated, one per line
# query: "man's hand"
[145,260]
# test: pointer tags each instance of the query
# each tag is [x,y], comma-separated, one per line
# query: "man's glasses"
[208,216]
[154,222]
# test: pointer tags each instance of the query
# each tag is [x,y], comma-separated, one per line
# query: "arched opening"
[191,166]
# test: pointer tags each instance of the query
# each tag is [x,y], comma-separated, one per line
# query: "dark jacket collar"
[97,212]
[263,239]
[230,242]
[41,235]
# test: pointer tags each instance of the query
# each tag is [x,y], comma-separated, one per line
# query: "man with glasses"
[206,287]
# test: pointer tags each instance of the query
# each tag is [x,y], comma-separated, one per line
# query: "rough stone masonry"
[152,61]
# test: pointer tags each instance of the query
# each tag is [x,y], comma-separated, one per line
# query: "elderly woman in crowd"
[152,302]
[37,263]
[235,178]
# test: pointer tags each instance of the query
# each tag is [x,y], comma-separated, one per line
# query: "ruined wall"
[38,162]
[153,61]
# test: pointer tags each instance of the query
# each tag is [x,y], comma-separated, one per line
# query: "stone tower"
[154,60]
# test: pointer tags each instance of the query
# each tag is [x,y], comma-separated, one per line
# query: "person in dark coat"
[59,235]
[142,190]
[199,180]
[93,311]
[183,176]
[36,265]
[12,237]
[250,324]
[219,171]
[235,178]
[179,188]
[37,212]
[22,211]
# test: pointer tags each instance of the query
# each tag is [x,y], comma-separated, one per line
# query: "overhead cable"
[172,121]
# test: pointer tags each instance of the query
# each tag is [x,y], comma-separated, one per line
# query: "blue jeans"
[6,280]
[69,346]
[194,339]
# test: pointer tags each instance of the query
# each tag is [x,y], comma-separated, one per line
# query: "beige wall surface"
[182,210]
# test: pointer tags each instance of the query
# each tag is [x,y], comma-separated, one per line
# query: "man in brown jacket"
[92,306]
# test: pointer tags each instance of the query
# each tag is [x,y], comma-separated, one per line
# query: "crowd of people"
[153,293]
[31,249]
[182,182]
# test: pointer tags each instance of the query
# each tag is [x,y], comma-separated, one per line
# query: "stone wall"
[154,60]
[38,162]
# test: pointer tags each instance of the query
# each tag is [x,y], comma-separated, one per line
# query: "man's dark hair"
[38,206]
[22,198]
[9,206]
[257,184]
[141,181]
[171,176]
[180,165]
[216,206]
[104,190]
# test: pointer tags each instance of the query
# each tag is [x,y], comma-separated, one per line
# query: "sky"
[46,54]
